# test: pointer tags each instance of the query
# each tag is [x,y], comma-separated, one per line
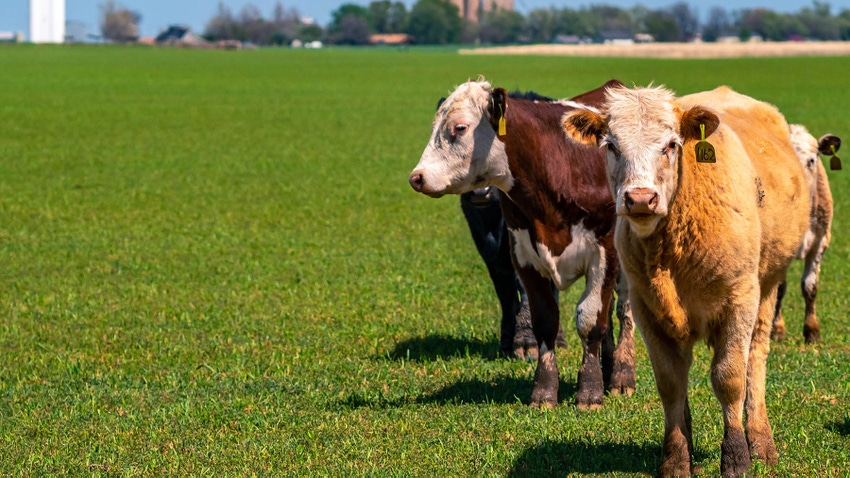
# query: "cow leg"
[593,314]
[671,361]
[489,232]
[623,375]
[809,286]
[759,433]
[545,322]
[777,332]
[729,369]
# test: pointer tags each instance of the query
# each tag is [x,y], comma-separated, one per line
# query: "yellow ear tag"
[503,126]
[834,161]
[704,150]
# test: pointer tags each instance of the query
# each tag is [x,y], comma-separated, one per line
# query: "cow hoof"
[592,406]
[629,391]
[674,469]
[813,337]
[544,404]
[777,334]
[764,451]
[526,354]
[622,381]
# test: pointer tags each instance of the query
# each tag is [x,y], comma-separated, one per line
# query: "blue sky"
[158,14]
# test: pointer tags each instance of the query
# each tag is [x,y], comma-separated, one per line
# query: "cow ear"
[692,119]
[498,105]
[584,126]
[440,102]
[826,143]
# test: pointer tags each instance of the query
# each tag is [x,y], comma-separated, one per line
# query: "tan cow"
[817,237]
[704,247]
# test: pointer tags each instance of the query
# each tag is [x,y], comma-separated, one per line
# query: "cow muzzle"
[641,202]
[417,182]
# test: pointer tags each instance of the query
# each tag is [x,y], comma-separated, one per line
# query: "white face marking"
[643,146]
[464,152]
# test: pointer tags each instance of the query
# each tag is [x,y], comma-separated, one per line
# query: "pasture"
[212,264]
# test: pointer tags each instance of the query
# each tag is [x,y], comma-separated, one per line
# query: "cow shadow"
[559,458]
[502,390]
[433,347]
[842,428]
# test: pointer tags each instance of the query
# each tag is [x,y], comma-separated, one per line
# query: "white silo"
[47,21]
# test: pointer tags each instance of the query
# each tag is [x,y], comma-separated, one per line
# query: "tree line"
[439,22]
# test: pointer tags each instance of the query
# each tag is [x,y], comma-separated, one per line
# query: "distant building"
[180,35]
[47,21]
[473,10]
[11,37]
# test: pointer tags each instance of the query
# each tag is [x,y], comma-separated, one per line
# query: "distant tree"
[387,17]
[771,25]
[844,24]
[717,24]
[117,23]
[345,10]
[397,18]
[685,19]
[580,22]
[351,30]
[435,22]
[501,26]
[819,22]
[310,32]
[254,27]
[286,25]
[222,26]
[639,13]
[662,25]
[541,24]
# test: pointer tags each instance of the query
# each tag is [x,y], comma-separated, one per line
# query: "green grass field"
[212,264]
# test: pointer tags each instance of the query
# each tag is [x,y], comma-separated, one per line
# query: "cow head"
[464,152]
[644,131]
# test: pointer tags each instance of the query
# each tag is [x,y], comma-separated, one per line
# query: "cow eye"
[612,148]
[459,128]
[671,146]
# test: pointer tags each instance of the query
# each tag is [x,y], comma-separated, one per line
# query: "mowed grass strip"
[212,264]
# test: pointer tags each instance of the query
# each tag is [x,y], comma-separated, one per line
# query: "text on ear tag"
[704,150]
[834,161]
[503,127]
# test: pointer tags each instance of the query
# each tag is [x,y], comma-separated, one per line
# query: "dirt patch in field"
[675,50]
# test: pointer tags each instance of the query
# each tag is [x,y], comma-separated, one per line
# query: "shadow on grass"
[555,458]
[443,346]
[842,428]
[500,391]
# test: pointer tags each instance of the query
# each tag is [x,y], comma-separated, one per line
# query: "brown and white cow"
[704,247]
[560,215]
[817,237]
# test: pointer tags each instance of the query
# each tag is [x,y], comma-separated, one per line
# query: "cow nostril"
[641,201]
[416,181]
